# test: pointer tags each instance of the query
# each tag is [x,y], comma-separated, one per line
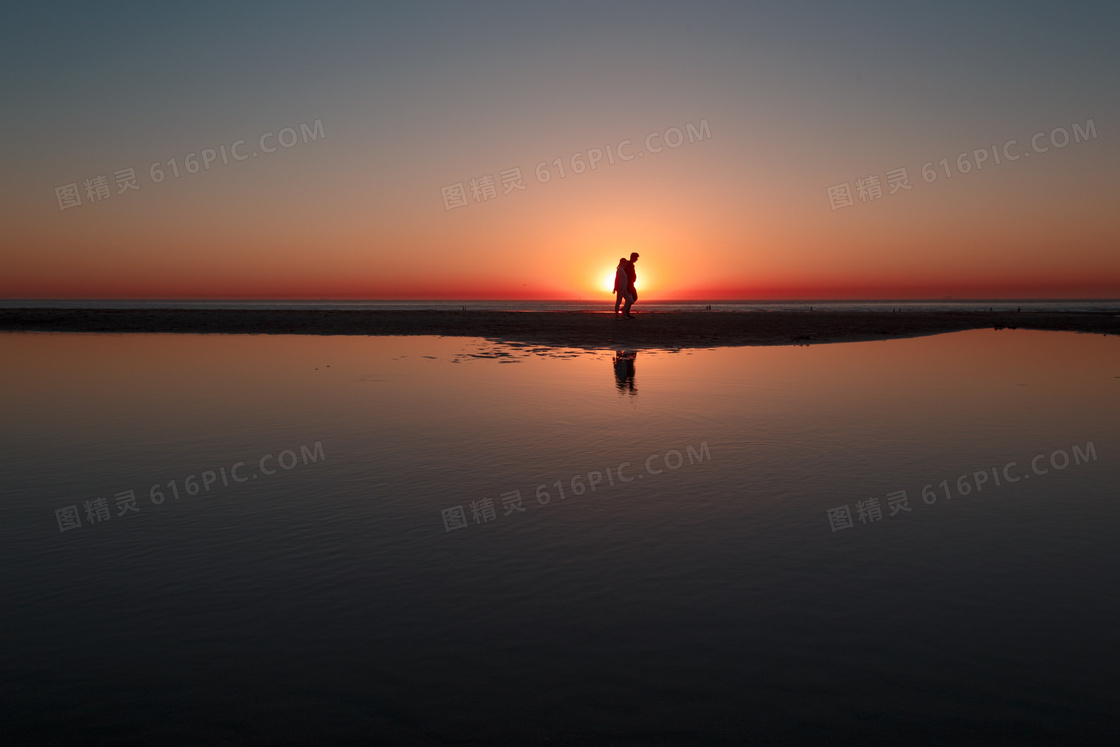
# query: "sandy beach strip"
[682,329]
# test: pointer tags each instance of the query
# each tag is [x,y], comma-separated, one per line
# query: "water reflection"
[956,604]
[624,371]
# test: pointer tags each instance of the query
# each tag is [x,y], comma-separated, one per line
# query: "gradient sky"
[798,97]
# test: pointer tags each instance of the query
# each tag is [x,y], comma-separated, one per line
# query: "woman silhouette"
[621,284]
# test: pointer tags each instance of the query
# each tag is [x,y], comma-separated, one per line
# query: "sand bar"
[677,329]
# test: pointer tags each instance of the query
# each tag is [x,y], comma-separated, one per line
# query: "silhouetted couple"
[624,278]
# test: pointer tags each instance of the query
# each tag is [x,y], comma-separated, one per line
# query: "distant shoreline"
[686,329]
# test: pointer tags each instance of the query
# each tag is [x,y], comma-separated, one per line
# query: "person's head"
[621,261]
[634,257]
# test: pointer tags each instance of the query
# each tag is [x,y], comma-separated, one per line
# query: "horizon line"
[942,299]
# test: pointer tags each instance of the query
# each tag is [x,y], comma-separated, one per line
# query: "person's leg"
[629,303]
[617,301]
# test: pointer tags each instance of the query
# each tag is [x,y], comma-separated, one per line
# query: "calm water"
[702,593]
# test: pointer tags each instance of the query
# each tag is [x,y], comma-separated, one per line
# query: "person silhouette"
[621,280]
[631,291]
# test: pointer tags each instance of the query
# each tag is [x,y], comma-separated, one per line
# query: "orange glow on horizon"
[580,268]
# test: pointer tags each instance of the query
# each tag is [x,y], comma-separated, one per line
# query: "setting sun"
[608,281]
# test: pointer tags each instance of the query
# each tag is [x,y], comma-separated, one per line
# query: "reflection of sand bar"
[680,329]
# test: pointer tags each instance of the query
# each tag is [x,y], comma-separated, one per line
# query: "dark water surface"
[701,594]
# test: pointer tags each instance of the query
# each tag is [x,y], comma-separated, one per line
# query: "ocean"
[274,539]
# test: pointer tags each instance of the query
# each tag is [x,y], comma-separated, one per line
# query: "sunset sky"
[381,126]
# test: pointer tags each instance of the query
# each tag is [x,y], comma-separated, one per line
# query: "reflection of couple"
[624,278]
[624,370]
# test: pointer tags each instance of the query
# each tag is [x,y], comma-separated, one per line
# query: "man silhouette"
[631,291]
